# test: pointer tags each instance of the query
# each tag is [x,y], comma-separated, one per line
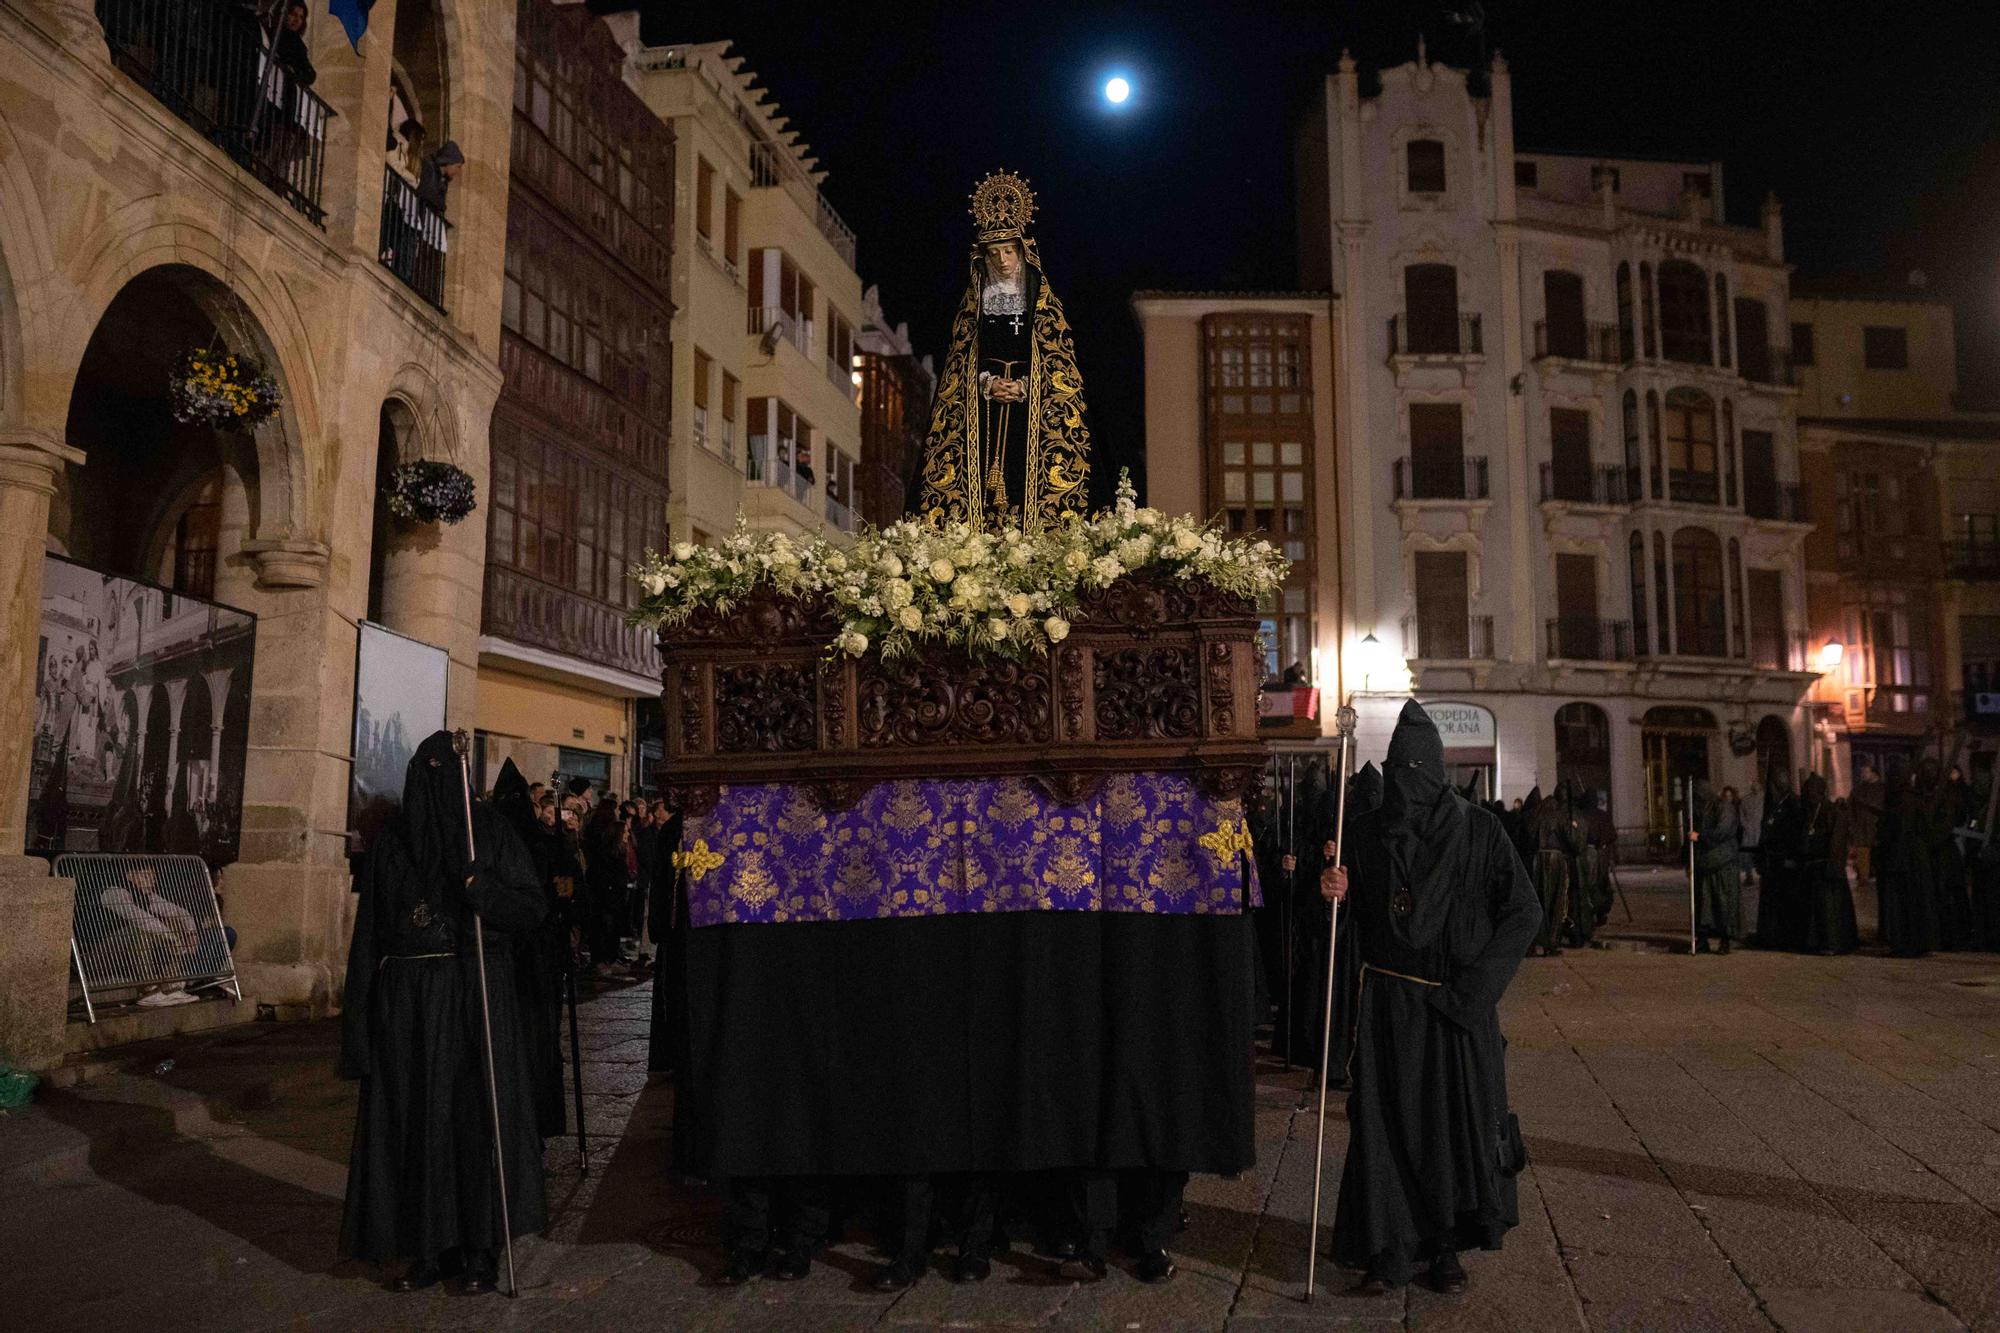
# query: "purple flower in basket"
[430,492]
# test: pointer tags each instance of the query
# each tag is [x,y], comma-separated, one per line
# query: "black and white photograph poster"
[399,692]
[142,718]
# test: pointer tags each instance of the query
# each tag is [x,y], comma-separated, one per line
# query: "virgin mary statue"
[1007,441]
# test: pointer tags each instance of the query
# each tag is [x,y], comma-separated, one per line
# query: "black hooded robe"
[541,959]
[1904,882]
[420,1179]
[1364,796]
[1441,914]
[1829,902]
[1548,833]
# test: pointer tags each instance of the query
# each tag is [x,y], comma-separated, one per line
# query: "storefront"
[1471,746]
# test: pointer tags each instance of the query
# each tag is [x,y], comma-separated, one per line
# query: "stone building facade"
[148,205]
[1567,447]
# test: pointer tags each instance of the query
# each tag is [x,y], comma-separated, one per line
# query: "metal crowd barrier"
[144,923]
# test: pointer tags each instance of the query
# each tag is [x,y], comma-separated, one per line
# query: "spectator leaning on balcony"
[440,170]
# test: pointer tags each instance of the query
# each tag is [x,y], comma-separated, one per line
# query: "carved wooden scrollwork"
[1071,787]
[1221,693]
[693,711]
[1070,670]
[764,708]
[833,700]
[764,615]
[939,702]
[1230,783]
[1150,599]
[1146,693]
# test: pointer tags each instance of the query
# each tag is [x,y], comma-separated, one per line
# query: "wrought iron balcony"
[1610,485]
[1588,639]
[1441,337]
[774,168]
[1693,488]
[206,61]
[1448,638]
[1425,479]
[1576,340]
[414,238]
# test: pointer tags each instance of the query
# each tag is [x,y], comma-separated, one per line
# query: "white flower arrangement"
[999,592]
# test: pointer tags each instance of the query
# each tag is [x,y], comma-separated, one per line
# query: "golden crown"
[1001,206]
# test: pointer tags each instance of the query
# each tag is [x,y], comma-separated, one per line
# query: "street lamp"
[1370,652]
[1830,655]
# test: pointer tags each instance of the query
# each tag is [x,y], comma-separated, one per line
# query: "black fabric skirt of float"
[1014,1041]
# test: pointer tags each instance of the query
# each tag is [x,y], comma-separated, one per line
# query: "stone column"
[34,948]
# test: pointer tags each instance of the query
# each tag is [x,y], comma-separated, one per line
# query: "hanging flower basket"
[428,492]
[223,390]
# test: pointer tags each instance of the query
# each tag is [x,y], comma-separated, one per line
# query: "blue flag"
[353,16]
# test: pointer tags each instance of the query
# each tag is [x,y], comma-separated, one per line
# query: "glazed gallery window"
[566,519]
[1699,610]
[1689,425]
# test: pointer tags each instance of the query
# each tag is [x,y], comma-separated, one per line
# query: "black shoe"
[900,1275]
[1083,1268]
[1063,1250]
[1701,945]
[1448,1275]
[1375,1284]
[743,1265]
[420,1275]
[1722,945]
[1155,1266]
[482,1273]
[971,1268]
[792,1264]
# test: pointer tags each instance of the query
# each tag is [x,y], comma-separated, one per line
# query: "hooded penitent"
[420,1178]
[988,459]
[1439,914]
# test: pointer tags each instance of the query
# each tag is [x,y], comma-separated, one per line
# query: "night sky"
[1881,139]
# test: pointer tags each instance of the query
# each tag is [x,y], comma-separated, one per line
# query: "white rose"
[1018,556]
[1020,604]
[910,618]
[892,565]
[998,627]
[942,571]
[1076,562]
[852,642]
[654,584]
[683,550]
[1056,628]
[1107,568]
[835,561]
[1147,518]
[1186,542]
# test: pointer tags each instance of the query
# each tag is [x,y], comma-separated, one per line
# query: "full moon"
[1116,91]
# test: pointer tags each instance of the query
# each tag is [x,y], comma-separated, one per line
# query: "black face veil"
[433,817]
[1424,826]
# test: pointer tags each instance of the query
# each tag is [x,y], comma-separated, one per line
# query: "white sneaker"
[161,999]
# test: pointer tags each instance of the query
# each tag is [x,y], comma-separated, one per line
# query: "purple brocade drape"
[1147,842]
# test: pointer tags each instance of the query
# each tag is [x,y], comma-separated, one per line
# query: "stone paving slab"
[1754,1142]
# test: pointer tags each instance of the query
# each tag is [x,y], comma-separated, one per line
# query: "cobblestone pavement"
[1749,1142]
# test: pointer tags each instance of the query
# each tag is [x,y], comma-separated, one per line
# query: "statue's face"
[1003,261]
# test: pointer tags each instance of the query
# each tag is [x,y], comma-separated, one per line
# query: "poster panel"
[399,696]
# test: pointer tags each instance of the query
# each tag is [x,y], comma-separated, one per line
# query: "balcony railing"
[839,515]
[701,428]
[1569,340]
[206,62]
[1588,639]
[782,464]
[840,377]
[1422,479]
[1435,337]
[1448,638]
[1611,485]
[1693,488]
[414,238]
[1972,560]
[772,168]
[793,329]
[1778,504]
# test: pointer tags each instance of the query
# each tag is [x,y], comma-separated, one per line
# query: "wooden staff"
[1344,720]
[463,744]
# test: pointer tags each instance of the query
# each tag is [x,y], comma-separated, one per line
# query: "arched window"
[1722,320]
[1659,488]
[1642,640]
[1684,322]
[1728,453]
[1583,752]
[1733,594]
[1634,455]
[1661,589]
[1690,446]
[1699,610]
[1626,333]
[1646,307]
[188,562]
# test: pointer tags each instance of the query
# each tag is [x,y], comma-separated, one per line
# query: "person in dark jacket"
[1822,856]
[1548,834]
[1943,805]
[541,959]
[1779,923]
[1717,882]
[1443,913]
[441,168]
[421,1181]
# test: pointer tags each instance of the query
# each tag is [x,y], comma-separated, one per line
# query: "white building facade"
[1567,450]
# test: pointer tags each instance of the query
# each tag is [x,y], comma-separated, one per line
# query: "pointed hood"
[432,821]
[1364,789]
[1425,828]
[512,800]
